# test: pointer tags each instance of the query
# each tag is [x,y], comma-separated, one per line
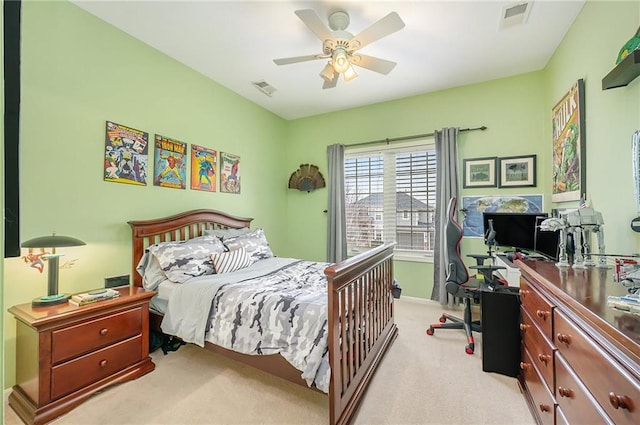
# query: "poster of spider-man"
[229,173]
[203,168]
[170,163]
[126,154]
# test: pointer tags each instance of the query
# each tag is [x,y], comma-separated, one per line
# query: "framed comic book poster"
[170,163]
[203,168]
[569,152]
[125,154]
[229,173]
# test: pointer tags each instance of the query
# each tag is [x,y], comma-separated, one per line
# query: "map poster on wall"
[474,206]
[229,173]
[170,163]
[126,154]
[569,153]
[203,168]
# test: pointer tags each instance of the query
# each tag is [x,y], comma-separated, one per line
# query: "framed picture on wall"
[479,172]
[517,171]
[569,155]
[229,173]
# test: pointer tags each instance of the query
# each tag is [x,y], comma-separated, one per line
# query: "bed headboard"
[186,225]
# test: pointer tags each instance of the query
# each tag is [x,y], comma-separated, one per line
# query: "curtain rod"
[415,136]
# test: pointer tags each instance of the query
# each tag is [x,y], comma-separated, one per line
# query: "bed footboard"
[361,325]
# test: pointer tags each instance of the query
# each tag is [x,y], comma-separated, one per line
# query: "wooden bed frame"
[364,282]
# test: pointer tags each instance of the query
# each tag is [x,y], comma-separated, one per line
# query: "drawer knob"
[620,401]
[545,407]
[542,314]
[104,331]
[544,358]
[524,293]
[563,338]
[103,363]
[565,392]
[524,327]
[525,366]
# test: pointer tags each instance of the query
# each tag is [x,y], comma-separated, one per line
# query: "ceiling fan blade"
[296,59]
[382,66]
[315,24]
[331,83]
[385,26]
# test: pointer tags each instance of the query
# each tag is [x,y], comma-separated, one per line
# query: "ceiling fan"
[341,47]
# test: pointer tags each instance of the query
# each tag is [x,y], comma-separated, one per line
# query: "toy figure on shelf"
[581,223]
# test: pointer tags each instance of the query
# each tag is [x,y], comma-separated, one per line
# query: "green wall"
[79,72]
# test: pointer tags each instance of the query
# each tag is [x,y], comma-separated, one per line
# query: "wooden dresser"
[64,353]
[580,358]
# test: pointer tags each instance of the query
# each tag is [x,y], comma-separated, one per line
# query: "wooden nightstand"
[64,353]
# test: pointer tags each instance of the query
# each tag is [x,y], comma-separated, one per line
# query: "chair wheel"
[469,349]
[430,330]
[442,319]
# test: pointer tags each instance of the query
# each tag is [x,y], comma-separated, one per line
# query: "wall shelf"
[624,72]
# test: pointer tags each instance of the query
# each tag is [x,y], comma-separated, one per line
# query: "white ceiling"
[444,44]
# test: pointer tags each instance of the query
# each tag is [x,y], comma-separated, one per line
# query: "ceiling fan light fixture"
[328,72]
[349,74]
[340,61]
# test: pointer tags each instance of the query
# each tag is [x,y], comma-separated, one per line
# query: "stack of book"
[93,296]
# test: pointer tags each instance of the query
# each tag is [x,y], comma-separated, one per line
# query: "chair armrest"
[480,258]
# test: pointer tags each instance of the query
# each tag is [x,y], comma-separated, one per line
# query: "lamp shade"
[53,241]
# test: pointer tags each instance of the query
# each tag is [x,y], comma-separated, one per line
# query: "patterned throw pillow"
[227,262]
[227,233]
[182,260]
[254,242]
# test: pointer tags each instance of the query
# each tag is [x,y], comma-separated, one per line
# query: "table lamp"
[54,241]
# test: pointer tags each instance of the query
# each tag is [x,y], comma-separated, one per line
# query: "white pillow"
[254,242]
[230,261]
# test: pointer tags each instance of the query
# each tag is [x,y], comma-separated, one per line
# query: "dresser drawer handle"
[545,407]
[104,331]
[525,366]
[103,363]
[620,401]
[565,392]
[544,358]
[564,338]
[524,293]
[524,327]
[542,314]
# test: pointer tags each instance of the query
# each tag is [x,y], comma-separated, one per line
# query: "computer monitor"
[513,230]
[546,242]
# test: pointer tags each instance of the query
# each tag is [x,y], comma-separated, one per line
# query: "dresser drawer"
[538,307]
[577,404]
[75,374]
[88,336]
[615,389]
[543,402]
[540,349]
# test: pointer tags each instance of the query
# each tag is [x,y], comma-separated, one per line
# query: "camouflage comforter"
[277,305]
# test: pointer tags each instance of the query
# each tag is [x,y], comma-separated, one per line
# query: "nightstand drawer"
[87,336]
[77,373]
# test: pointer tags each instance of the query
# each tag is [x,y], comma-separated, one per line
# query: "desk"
[510,273]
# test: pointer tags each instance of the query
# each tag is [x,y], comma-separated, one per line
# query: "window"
[390,196]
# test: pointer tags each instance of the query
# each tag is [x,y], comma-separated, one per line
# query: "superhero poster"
[229,173]
[203,168]
[126,154]
[170,163]
[568,124]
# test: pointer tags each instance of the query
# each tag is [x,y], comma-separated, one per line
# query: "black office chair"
[459,283]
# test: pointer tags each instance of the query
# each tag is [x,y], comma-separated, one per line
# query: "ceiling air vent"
[515,14]
[264,87]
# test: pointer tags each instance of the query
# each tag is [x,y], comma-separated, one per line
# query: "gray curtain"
[447,187]
[336,226]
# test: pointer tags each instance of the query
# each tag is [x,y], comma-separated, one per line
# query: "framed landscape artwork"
[517,171]
[568,124]
[479,172]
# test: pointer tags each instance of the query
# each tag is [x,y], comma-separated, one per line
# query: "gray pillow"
[255,243]
[227,233]
[183,260]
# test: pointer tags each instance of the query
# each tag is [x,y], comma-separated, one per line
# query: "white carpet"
[422,380]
